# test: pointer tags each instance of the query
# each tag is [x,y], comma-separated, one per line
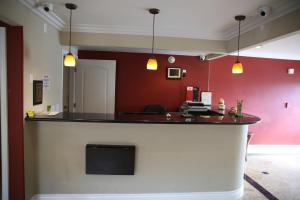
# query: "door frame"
[4,123]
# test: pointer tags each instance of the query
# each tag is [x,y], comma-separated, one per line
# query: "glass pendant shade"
[152,64]
[237,68]
[69,60]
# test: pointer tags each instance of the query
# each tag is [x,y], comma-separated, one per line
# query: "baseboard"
[273,149]
[232,195]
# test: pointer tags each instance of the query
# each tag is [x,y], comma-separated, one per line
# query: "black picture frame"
[174,73]
[37,92]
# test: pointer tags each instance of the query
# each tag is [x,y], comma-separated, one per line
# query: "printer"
[193,107]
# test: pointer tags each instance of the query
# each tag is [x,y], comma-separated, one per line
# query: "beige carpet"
[281,176]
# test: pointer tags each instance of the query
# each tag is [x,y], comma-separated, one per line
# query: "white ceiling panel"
[283,48]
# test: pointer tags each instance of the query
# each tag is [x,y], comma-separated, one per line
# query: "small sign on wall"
[46,82]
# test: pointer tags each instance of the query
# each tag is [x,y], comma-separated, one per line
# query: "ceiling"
[213,19]
[206,21]
[283,48]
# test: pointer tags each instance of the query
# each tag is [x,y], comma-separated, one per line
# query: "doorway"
[3,118]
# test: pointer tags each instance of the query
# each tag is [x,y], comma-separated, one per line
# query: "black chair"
[155,109]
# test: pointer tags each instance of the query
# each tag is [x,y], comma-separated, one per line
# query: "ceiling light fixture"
[69,59]
[258,46]
[152,62]
[237,67]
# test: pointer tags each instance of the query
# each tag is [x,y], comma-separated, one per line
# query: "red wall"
[265,87]
[137,87]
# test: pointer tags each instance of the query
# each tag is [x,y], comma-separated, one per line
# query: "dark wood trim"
[15,111]
[14,40]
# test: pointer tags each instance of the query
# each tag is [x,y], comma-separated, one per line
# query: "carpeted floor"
[271,177]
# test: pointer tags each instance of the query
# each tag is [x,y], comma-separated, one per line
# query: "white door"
[95,86]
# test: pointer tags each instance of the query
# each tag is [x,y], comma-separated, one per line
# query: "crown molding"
[278,10]
[147,31]
[49,17]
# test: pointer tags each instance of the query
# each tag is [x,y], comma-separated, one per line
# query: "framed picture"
[37,92]
[173,73]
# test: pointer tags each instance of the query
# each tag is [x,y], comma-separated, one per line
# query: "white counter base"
[226,195]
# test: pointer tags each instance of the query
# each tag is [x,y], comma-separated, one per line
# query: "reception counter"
[199,157]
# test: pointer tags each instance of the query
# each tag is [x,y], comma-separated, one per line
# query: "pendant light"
[237,67]
[152,62]
[69,59]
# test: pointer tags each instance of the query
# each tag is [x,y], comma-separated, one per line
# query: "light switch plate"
[30,78]
[291,71]
[45,27]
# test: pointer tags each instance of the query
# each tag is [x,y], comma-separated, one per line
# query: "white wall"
[42,52]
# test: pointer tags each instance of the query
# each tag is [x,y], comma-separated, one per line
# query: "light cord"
[70,38]
[208,79]
[239,40]
[153,27]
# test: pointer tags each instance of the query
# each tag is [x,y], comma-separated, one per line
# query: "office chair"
[155,109]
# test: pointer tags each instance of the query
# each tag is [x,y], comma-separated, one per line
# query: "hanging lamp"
[69,59]
[237,67]
[152,62]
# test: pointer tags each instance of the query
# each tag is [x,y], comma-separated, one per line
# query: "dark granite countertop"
[215,117]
